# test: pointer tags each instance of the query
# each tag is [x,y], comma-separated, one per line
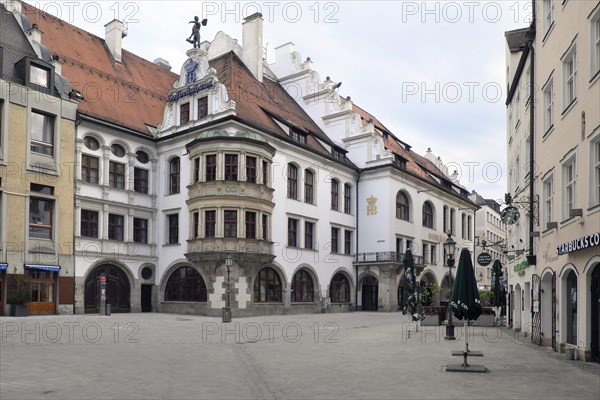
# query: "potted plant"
[430,293]
[19,295]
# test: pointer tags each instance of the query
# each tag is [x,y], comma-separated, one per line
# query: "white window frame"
[548,91]
[548,199]
[548,14]
[569,185]
[595,170]
[569,76]
[595,43]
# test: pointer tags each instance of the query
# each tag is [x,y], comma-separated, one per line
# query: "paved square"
[325,356]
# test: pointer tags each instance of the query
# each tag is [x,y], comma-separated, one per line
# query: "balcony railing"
[385,256]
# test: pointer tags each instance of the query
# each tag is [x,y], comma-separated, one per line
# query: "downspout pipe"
[356,252]
[530,42]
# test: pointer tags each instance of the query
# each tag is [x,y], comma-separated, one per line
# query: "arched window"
[309,187]
[174,172]
[185,284]
[427,215]
[335,191]
[267,286]
[445,217]
[572,307]
[91,143]
[292,182]
[117,150]
[302,287]
[339,291]
[402,206]
[347,197]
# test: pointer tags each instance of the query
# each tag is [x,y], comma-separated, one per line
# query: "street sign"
[484,259]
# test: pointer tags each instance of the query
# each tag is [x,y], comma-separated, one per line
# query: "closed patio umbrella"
[412,298]
[465,302]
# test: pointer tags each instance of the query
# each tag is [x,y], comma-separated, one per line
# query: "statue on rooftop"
[195,36]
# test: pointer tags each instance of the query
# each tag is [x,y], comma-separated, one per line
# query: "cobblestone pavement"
[325,356]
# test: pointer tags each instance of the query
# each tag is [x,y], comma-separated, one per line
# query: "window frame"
[184,113]
[210,224]
[335,238]
[202,106]
[190,284]
[250,224]
[210,172]
[347,198]
[292,232]
[309,235]
[569,77]
[230,224]
[548,199]
[292,181]
[568,187]
[251,169]
[116,227]
[141,182]
[48,123]
[174,175]
[303,287]
[172,229]
[231,167]
[335,190]
[140,233]
[116,175]
[548,93]
[309,186]
[272,289]
[87,169]
[428,216]
[402,207]
[89,223]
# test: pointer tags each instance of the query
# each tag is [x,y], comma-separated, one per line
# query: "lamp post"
[450,246]
[227,310]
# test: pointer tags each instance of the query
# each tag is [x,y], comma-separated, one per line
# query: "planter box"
[19,310]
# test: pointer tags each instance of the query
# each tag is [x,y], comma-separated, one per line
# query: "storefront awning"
[3,266]
[51,268]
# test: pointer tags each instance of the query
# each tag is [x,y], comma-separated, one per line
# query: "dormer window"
[297,136]
[399,161]
[340,155]
[39,76]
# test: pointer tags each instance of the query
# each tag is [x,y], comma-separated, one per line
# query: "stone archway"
[117,289]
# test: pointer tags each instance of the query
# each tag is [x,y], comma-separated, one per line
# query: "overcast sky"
[431,71]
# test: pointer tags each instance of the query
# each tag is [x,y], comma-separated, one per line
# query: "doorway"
[370,294]
[595,343]
[147,298]
[117,289]
[43,293]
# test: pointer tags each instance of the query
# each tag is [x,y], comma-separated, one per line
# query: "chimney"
[56,64]
[13,6]
[35,33]
[252,44]
[114,38]
[161,62]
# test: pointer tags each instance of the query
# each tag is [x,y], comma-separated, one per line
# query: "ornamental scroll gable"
[196,97]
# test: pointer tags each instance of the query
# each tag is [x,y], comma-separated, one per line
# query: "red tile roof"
[258,103]
[131,93]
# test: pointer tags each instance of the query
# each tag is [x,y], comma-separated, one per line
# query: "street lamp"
[450,247]
[227,309]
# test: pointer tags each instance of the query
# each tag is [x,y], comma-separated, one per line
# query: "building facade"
[215,188]
[564,292]
[37,128]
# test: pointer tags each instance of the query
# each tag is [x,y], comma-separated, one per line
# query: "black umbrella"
[465,301]
[412,298]
[497,273]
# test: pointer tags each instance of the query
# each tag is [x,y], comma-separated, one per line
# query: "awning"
[51,268]
[3,266]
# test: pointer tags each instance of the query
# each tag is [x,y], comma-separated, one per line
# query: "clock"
[510,215]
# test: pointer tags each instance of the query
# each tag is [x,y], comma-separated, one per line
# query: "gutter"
[530,41]
[356,252]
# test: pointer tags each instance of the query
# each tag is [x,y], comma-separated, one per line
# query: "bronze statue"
[196,31]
